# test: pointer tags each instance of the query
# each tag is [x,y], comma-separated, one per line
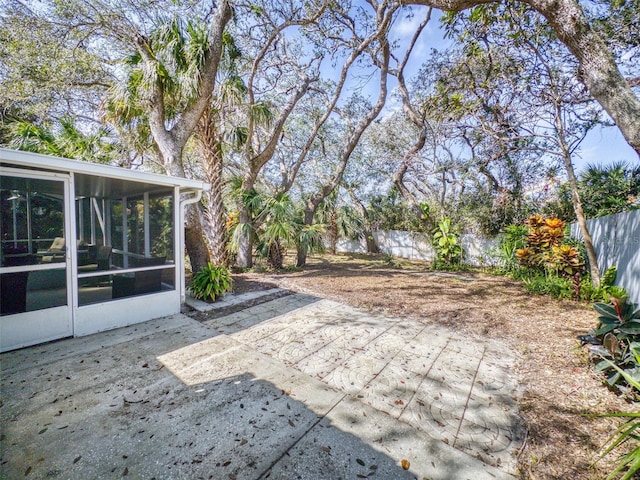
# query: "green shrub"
[447,246]
[628,464]
[617,346]
[550,284]
[211,282]
[512,239]
[618,342]
[606,288]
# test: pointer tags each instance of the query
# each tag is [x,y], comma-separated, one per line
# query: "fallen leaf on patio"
[326,449]
[27,471]
[360,462]
[291,423]
[243,441]
[405,464]
[42,431]
[77,459]
[399,402]
[126,472]
[226,464]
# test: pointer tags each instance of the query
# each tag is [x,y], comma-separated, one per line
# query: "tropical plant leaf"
[605,310]
[630,328]
[605,329]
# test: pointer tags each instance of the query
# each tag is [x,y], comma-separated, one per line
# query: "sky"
[602,146]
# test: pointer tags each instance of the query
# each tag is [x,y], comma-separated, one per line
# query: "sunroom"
[87,247]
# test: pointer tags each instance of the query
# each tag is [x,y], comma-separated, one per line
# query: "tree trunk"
[582,221]
[301,257]
[398,181]
[309,212]
[370,240]
[333,233]
[194,236]
[275,255]
[372,245]
[194,240]
[171,142]
[213,209]
[384,18]
[245,239]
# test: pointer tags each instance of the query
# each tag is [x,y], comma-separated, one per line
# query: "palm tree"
[168,71]
[280,228]
[213,129]
[609,189]
[169,84]
[63,139]
[342,221]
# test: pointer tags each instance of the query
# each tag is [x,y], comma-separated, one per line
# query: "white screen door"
[35,273]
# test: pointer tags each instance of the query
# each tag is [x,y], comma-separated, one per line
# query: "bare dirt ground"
[558,384]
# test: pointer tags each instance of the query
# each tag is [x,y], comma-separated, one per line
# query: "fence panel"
[616,239]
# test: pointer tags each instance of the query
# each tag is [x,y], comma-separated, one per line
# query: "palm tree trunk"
[309,212]
[213,209]
[245,239]
[275,255]
[333,233]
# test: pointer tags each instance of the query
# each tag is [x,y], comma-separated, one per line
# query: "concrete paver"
[455,389]
[296,387]
[229,300]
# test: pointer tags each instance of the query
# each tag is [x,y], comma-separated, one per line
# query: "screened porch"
[96,247]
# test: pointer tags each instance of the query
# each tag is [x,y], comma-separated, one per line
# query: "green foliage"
[511,239]
[48,69]
[628,432]
[551,285]
[604,190]
[446,244]
[341,221]
[211,282]
[618,341]
[601,294]
[310,237]
[62,139]
[279,228]
[492,212]
[391,212]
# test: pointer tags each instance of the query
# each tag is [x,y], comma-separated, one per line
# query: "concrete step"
[232,300]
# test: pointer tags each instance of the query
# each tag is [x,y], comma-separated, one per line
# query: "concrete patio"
[293,388]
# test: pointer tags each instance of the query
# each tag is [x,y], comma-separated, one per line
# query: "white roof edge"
[30,159]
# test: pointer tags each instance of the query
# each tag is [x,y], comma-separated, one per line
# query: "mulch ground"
[559,386]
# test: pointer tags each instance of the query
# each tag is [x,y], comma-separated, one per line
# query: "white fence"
[616,239]
[417,246]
